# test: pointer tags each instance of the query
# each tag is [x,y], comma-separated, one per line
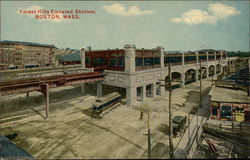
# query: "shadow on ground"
[164,128]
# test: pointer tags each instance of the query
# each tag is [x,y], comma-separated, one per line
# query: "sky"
[174,25]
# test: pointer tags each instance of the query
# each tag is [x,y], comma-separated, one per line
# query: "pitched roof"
[226,95]
[72,57]
[207,50]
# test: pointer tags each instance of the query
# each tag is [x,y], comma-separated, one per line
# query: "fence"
[230,127]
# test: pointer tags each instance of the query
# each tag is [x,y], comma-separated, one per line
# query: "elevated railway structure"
[7,75]
[138,71]
[43,84]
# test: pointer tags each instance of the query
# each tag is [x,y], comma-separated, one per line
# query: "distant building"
[71,59]
[230,98]
[229,104]
[15,55]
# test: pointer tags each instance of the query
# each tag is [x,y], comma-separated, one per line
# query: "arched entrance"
[218,68]
[176,76]
[226,70]
[204,73]
[211,70]
[190,76]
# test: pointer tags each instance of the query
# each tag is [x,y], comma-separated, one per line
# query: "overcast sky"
[177,25]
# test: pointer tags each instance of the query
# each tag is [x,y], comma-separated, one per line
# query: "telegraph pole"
[200,86]
[214,73]
[149,136]
[171,148]
[200,104]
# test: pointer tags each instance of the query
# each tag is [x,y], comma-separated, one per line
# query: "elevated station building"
[143,72]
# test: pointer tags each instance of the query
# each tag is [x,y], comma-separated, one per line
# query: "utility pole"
[212,80]
[200,104]
[149,136]
[200,86]
[171,147]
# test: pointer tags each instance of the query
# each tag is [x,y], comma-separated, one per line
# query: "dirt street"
[70,131]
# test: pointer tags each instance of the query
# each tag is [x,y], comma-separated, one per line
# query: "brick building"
[17,55]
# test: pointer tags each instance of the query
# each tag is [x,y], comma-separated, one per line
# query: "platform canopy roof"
[72,57]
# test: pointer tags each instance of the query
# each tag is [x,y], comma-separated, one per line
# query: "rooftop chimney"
[89,48]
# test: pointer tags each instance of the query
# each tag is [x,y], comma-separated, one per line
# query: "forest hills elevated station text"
[53,11]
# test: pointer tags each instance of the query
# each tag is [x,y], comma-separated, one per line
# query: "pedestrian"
[141,113]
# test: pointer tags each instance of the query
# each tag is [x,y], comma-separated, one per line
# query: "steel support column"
[99,89]
[130,96]
[83,88]
[207,72]
[45,91]
[143,93]
[182,71]
[153,90]
[197,75]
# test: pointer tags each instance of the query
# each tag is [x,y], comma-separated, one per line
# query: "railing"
[139,68]
[189,62]
[228,127]
[174,64]
[203,60]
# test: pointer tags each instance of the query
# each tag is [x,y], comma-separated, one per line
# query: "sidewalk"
[187,144]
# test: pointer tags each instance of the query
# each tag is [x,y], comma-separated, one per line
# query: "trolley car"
[105,103]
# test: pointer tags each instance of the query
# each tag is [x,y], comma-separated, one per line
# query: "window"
[148,61]
[87,60]
[138,61]
[202,57]
[210,57]
[176,59]
[100,61]
[166,60]
[157,60]
[190,58]
[226,112]
[112,62]
[121,62]
[214,111]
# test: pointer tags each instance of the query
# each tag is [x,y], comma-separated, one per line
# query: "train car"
[31,66]
[105,103]
[13,67]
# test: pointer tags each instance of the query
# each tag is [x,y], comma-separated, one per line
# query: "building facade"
[17,55]
[229,104]
[143,72]
[230,97]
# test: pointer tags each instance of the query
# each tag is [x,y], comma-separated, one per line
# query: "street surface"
[190,136]
[70,131]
